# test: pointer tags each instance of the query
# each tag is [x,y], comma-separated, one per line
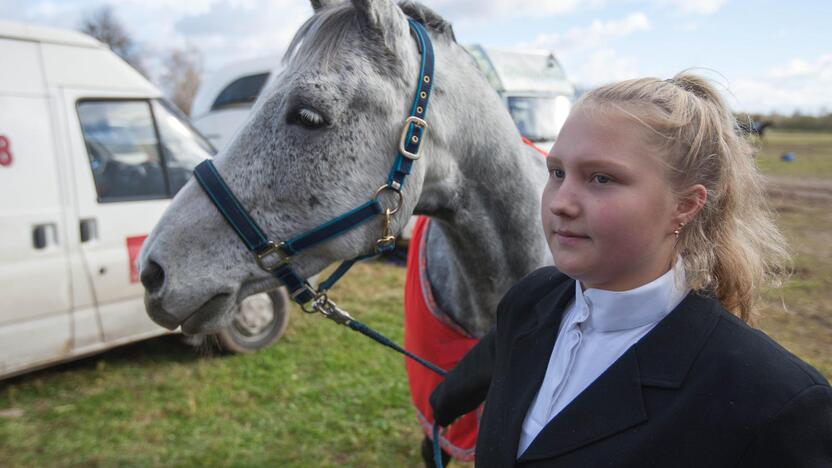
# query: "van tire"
[247,332]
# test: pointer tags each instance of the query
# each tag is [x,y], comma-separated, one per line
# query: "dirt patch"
[812,190]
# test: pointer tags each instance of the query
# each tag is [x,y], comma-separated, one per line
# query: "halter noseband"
[274,257]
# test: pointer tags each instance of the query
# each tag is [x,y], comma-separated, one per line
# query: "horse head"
[321,140]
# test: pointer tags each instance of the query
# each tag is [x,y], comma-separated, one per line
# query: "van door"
[127,166]
[35,281]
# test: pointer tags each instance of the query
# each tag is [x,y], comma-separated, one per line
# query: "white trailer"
[534,88]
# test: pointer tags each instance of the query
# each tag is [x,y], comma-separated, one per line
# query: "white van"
[90,156]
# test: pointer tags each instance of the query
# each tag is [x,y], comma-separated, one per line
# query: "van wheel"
[259,321]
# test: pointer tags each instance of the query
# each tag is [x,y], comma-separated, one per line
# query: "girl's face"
[608,212]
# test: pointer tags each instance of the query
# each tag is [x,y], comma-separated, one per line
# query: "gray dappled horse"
[321,139]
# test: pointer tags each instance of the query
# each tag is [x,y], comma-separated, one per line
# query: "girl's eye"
[307,118]
[601,179]
[558,173]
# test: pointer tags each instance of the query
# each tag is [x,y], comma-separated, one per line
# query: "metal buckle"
[272,249]
[328,309]
[419,123]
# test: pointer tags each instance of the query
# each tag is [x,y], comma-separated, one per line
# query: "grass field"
[326,396]
[812,150]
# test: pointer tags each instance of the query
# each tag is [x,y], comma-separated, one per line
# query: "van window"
[123,144]
[123,149]
[242,91]
[183,147]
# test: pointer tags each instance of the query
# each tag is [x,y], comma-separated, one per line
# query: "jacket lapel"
[614,402]
[529,354]
[609,405]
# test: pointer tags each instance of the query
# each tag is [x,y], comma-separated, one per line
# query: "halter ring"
[399,200]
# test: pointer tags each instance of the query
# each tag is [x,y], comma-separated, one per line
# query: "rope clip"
[330,310]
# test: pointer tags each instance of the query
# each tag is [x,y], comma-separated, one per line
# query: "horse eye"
[307,118]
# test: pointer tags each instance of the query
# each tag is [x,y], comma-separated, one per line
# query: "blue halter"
[274,257]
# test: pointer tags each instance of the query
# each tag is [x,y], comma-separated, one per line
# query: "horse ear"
[318,5]
[383,16]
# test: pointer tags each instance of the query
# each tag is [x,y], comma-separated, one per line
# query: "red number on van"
[5,151]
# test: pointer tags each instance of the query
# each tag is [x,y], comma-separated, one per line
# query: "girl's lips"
[568,237]
[565,233]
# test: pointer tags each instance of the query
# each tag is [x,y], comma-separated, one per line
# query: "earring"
[678,230]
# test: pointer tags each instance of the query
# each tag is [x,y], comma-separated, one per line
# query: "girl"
[636,351]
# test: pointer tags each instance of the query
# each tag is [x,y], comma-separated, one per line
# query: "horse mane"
[322,34]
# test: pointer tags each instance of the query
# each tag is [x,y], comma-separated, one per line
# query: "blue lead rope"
[381,339]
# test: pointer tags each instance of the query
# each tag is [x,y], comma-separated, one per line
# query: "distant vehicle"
[224,99]
[90,156]
[533,86]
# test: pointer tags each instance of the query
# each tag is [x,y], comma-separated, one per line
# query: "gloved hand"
[466,386]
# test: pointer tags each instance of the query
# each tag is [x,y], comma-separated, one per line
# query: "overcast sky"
[768,55]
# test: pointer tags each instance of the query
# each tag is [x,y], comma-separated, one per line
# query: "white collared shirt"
[597,327]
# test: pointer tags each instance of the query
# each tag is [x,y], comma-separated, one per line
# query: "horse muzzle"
[205,316]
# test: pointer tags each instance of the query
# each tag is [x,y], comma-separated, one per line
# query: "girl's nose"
[563,201]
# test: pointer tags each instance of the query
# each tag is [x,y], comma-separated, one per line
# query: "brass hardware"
[419,110]
[427,79]
[272,249]
[414,139]
[423,95]
[387,237]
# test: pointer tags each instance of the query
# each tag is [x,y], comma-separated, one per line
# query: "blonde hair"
[732,246]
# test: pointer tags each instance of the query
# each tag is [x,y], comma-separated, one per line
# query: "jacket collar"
[614,402]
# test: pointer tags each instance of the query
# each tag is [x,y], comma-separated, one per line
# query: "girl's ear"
[690,203]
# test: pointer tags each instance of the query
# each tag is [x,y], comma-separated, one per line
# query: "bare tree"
[103,25]
[181,78]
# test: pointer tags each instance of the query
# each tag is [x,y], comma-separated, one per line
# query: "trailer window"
[242,91]
[538,118]
[123,149]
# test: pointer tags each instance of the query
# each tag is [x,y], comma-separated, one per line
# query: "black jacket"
[702,389]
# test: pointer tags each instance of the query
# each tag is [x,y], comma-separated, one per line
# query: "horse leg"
[427,454]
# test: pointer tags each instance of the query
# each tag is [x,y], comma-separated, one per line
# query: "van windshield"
[183,146]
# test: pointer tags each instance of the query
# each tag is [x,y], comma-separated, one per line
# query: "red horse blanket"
[429,333]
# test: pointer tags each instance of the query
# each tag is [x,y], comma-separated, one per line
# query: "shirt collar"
[609,311]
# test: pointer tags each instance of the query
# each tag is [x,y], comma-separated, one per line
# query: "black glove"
[466,386]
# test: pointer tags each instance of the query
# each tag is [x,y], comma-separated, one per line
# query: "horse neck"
[483,192]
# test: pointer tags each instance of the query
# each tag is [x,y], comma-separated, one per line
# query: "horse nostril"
[153,276]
